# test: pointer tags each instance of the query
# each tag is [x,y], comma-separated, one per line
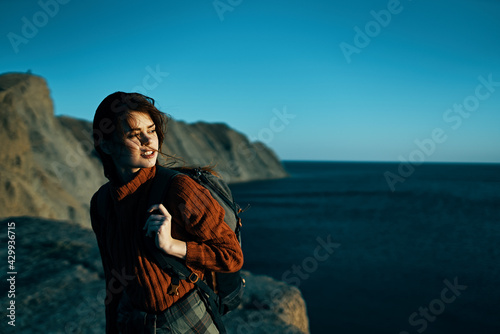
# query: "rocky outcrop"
[44,170]
[59,286]
[234,156]
[49,171]
[48,167]
[269,306]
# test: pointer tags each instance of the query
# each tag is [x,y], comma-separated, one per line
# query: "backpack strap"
[180,271]
[161,182]
[174,266]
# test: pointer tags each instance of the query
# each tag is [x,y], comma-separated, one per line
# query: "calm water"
[392,256]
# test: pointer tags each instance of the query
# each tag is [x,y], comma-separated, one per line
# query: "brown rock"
[48,167]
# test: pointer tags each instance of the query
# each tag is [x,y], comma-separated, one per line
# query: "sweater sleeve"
[113,294]
[211,244]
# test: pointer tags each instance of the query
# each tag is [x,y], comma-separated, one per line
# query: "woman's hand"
[159,225]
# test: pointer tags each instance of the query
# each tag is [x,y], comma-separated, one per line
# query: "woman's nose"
[145,139]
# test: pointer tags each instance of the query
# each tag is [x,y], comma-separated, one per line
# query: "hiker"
[188,225]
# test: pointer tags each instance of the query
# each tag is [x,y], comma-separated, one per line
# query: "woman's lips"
[148,154]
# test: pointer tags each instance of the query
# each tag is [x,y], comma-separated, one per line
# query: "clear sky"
[315,80]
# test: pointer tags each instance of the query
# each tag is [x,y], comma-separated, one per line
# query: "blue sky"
[315,80]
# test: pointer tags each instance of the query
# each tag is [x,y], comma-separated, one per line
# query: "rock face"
[60,286]
[44,171]
[269,306]
[234,156]
[49,171]
[48,167]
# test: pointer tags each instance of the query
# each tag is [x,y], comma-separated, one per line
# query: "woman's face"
[139,146]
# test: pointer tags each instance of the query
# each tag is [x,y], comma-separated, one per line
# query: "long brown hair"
[108,122]
[108,119]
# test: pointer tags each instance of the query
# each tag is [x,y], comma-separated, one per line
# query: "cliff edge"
[59,286]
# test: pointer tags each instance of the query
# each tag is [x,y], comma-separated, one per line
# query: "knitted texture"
[197,219]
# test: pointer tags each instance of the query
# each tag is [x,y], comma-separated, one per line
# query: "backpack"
[226,288]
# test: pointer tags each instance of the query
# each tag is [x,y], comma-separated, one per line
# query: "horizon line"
[394,162]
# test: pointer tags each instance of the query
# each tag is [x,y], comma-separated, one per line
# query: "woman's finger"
[157,218]
[152,224]
[153,229]
[159,207]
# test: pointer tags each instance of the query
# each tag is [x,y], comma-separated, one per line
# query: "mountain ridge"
[49,168]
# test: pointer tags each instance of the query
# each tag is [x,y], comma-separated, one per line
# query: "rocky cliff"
[59,286]
[48,172]
[48,167]
[43,172]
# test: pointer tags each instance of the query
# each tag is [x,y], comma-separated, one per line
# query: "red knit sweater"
[196,218]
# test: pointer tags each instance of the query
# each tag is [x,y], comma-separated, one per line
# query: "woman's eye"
[152,131]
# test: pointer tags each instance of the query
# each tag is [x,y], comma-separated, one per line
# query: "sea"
[381,247]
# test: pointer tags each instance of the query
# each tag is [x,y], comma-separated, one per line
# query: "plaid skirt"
[188,315]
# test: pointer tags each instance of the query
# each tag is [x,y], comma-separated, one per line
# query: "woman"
[188,224]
